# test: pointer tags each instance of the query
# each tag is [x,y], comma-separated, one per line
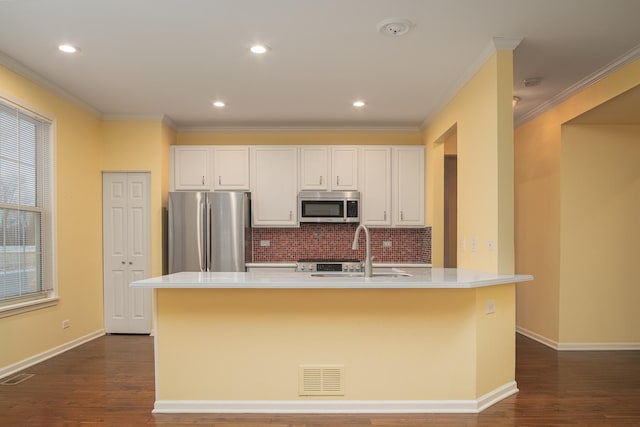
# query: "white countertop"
[429,278]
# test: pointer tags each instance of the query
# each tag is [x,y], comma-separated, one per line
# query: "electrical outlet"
[490,307]
[474,244]
[491,244]
[66,324]
[463,244]
[386,244]
[265,243]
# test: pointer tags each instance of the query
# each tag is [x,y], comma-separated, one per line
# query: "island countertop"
[427,278]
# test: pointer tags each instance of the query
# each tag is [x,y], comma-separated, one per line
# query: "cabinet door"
[274,189]
[344,168]
[409,186]
[231,168]
[376,186]
[314,168]
[191,167]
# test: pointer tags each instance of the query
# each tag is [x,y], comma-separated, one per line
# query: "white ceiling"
[152,58]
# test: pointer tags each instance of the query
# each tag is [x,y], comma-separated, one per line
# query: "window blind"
[25,206]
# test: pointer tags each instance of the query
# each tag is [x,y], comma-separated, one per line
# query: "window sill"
[23,307]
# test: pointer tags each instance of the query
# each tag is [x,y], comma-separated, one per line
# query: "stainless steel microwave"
[329,206]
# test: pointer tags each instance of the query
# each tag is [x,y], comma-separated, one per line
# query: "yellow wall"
[550,187]
[85,146]
[78,226]
[482,116]
[396,344]
[600,186]
[299,138]
[142,146]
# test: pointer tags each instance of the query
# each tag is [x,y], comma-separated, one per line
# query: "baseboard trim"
[579,346]
[599,346]
[41,357]
[537,337]
[335,406]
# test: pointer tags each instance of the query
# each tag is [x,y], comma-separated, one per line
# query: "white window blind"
[25,206]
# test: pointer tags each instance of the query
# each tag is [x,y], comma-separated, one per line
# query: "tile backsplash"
[333,241]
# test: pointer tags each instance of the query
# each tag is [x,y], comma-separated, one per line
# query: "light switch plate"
[490,306]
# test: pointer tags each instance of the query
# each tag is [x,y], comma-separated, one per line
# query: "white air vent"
[16,379]
[321,380]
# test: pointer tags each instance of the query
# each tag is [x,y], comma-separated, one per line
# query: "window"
[26,259]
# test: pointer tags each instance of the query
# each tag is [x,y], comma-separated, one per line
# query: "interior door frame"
[146,263]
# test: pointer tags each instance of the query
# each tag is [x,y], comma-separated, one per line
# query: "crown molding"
[162,118]
[298,129]
[506,43]
[24,71]
[629,57]
[496,44]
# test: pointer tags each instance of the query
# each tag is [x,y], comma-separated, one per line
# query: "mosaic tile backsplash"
[333,241]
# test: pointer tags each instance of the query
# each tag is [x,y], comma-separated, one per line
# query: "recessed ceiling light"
[219,104]
[359,104]
[259,49]
[67,48]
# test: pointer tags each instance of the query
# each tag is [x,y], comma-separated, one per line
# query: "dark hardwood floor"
[110,382]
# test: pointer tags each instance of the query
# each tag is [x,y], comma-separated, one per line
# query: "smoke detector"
[394,27]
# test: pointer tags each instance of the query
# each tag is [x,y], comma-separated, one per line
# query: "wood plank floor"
[109,382]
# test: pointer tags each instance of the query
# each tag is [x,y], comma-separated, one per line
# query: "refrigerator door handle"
[208,237]
[202,252]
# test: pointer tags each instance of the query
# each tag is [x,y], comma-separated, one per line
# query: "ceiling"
[172,58]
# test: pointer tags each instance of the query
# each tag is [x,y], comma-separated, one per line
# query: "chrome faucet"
[368,268]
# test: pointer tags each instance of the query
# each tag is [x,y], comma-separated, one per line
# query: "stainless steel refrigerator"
[209,231]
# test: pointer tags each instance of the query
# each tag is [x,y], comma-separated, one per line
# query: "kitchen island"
[440,340]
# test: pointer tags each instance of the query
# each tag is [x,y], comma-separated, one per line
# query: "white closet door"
[126,238]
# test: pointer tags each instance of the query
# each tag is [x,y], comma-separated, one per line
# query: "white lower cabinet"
[272,269]
[408,203]
[274,189]
[375,197]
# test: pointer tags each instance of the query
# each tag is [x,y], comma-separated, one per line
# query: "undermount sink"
[390,274]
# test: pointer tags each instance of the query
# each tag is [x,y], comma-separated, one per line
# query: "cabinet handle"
[385,215]
[401,216]
[203,180]
[320,179]
[337,180]
[123,262]
[219,180]
[130,262]
[290,215]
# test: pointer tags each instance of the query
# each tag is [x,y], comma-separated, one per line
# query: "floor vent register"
[15,379]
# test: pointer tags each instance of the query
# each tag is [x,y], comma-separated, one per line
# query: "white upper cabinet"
[191,167]
[409,173]
[390,178]
[344,168]
[314,167]
[231,168]
[375,197]
[274,189]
